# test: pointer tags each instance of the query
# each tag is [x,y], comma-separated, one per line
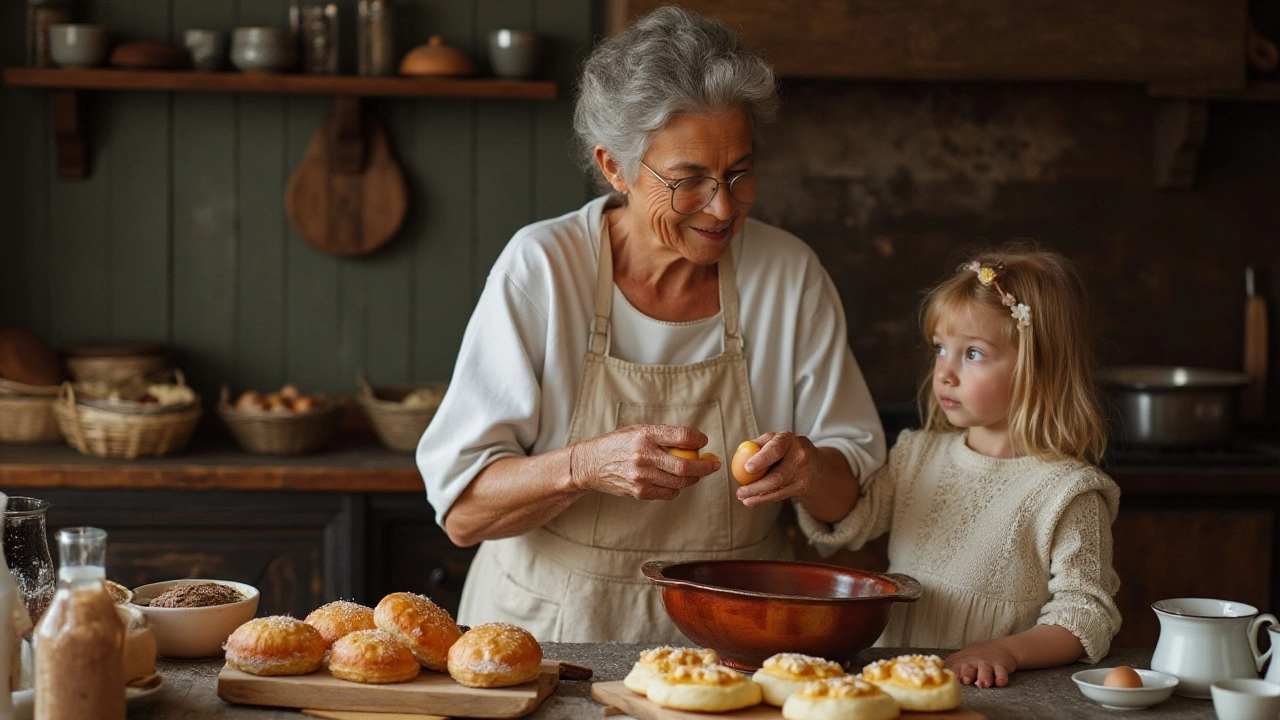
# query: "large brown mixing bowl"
[747,610]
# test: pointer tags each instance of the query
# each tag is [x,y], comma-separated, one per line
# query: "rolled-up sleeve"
[1083,583]
[491,409]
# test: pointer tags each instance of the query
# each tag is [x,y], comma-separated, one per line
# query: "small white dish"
[1156,688]
[24,700]
[194,632]
[1245,699]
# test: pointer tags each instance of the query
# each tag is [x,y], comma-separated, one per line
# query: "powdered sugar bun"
[708,688]
[275,645]
[786,673]
[339,618]
[420,625]
[372,656]
[656,661]
[918,682]
[495,655]
[846,697]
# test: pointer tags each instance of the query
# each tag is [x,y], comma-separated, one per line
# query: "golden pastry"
[495,655]
[340,617]
[419,624]
[918,682]
[785,673]
[709,688]
[840,698]
[275,645]
[372,656]
[656,661]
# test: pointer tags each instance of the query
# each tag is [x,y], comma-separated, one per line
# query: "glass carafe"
[80,640]
[26,550]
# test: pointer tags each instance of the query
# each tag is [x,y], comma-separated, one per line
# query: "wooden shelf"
[1260,91]
[194,81]
[351,464]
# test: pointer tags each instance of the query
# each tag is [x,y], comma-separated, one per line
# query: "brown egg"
[1123,676]
[739,464]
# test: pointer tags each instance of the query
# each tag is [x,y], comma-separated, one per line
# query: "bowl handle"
[654,569]
[908,587]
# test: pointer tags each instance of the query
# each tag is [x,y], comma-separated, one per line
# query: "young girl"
[996,506]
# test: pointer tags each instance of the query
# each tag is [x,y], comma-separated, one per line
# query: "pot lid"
[1168,377]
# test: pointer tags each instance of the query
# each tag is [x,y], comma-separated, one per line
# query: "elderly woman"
[657,316]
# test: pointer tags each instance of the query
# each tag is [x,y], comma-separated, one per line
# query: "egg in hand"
[738,466]
[692,454]
[1122,676]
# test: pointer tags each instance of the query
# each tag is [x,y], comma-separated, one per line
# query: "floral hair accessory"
[987,276]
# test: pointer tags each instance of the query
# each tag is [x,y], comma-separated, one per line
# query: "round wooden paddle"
[348,196]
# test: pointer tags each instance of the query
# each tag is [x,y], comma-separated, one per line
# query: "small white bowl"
[1156,688]
[77,45]
[1245,699]
[195,632]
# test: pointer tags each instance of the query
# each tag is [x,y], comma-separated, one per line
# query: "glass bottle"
[375,38]
[80,639]
[8,598]
[26,551]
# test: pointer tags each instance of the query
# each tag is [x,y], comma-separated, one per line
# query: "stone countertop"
[190,690]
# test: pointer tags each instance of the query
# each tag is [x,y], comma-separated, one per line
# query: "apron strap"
[604,296]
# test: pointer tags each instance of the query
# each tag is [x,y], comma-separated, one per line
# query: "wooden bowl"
[747,610]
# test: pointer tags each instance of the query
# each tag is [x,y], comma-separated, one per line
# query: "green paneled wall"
[180,233]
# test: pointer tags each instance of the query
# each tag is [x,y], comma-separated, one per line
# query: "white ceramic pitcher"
[1203,641]
[1273,672]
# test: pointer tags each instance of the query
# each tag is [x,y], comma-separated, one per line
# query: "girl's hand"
[983,665]
[633,462]
[792,462]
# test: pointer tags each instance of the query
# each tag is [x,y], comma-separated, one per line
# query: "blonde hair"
[1054,409]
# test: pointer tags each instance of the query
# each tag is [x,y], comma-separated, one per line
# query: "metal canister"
[375,39]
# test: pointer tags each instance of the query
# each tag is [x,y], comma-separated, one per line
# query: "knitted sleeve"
[873,513]
[1083,583]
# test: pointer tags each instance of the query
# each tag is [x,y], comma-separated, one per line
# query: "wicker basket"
[12,387]
[116,433]
[113,368]
[398,426]
[280,433]
[28,420]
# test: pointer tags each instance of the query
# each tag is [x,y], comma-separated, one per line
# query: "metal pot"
[1174,406]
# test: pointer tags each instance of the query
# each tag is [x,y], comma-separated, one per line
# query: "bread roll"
[339,618]
[419,624]
[372,656]
[275,645]
[495,655]
[918,682]
[840,698]
[656,661]
[786,673]
[710,688]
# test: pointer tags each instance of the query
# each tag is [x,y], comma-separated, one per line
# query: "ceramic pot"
[262,49]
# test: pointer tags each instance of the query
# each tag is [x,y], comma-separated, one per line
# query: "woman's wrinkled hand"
[984,665]
[633,462]
[792,462]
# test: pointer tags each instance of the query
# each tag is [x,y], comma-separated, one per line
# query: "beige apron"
[577,578]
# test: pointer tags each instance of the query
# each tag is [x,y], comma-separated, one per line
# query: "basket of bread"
[113,361]
[143,416]
[26,413]
[285,422]
[400,413]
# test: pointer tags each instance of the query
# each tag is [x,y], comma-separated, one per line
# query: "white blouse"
[516,380]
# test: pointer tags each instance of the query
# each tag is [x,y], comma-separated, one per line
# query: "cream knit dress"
[998,544]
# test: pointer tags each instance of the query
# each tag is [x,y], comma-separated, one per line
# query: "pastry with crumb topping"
[918,682]
[656,661]
[846,697]
[786,673]
[706,688]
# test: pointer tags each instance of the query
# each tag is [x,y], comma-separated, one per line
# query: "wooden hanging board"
[430,693]
[348,196]
[616,694]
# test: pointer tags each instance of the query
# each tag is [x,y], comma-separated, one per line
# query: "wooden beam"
[1107,40]
[71,143]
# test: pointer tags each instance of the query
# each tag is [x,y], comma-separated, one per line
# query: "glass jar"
[80,640]
[375,38]
[26,551]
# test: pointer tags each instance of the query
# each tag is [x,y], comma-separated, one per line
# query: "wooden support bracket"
[348,146]
[1178,133]
[66,112]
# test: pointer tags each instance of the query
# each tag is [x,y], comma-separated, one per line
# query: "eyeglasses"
[690,195]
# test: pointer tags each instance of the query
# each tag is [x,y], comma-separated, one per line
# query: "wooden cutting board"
[430,693]
[615,694]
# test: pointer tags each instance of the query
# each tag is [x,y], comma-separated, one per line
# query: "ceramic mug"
[1203,641]
[514,53]
[1273,672]
[207,47]
[1245,699]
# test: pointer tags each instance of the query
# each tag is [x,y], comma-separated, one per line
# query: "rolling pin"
[1254,398]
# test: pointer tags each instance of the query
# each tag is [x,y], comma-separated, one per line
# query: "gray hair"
[670,62]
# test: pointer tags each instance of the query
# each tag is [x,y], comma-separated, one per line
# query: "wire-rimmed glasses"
[691,194]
